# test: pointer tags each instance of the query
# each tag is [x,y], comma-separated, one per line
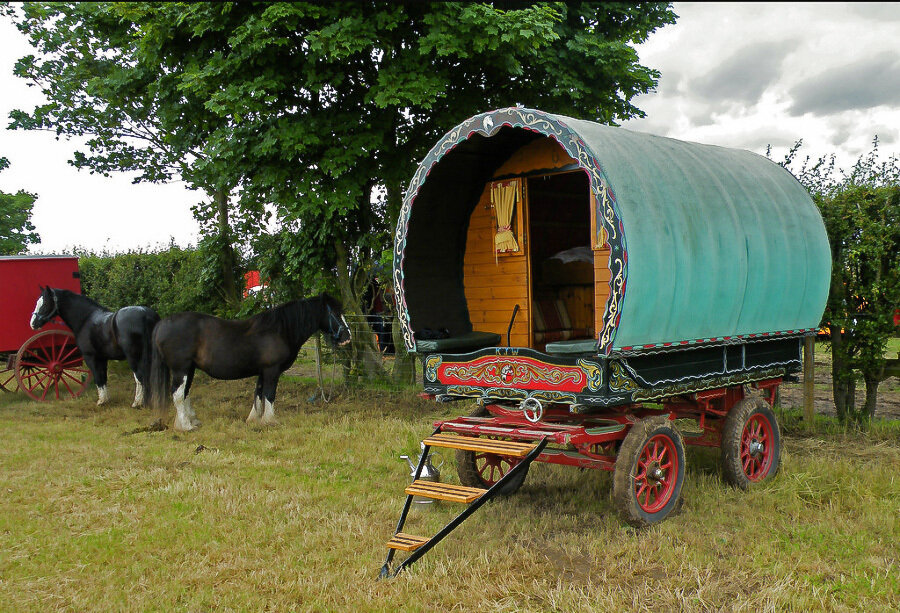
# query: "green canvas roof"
[707,243]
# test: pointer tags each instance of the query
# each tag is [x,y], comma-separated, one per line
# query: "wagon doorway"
[561,258]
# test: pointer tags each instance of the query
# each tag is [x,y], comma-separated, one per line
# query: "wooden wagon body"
[643,266]
[592,287]
[45,364]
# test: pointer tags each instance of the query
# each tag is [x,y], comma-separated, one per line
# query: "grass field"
[98,513]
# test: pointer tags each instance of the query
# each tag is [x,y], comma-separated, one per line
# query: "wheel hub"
[656,473]
[756,448]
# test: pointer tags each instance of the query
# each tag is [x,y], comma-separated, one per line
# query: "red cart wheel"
[478,469]
[751,443]
[49,365]
[8,381]
[649,472]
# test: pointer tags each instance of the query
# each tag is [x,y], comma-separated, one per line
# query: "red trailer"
[46,364]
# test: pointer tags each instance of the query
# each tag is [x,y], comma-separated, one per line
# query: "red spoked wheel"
[49,365]
[479,469]
[751,443]
[485,469]
[8,381]
[649,472]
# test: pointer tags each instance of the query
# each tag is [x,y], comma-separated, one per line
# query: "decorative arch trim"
[607,213]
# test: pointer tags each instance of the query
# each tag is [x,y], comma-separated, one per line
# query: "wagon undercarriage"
[642,444]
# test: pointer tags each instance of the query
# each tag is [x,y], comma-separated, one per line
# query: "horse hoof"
[181,426]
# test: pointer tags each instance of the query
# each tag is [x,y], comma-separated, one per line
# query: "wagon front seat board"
[580,270]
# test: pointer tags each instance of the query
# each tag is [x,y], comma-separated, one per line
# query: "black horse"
[263,346]
[103,335]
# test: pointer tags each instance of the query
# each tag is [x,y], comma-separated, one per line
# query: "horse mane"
[296,320]
[65,293]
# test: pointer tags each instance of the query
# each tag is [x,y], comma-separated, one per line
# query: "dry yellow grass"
[295,517]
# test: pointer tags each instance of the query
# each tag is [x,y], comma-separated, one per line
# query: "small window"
[506,202]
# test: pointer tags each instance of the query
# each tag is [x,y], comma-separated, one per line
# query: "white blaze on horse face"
[104,395]
[138,393]
[349,335]
[37,309]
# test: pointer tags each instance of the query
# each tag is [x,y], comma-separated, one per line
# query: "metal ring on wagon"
[532,409]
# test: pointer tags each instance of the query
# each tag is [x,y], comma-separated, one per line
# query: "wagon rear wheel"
[751,443]
[49,365]
[649,472]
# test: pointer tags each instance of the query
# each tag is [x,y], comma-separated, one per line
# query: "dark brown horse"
[262,346]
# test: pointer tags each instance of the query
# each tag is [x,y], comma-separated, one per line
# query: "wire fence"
[370,359]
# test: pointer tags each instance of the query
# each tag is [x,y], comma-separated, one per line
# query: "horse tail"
[158,387]
[148,323]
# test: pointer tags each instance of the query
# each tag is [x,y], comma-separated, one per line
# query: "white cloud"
[805,55]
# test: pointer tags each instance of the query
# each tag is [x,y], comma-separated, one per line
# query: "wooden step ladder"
[474,497]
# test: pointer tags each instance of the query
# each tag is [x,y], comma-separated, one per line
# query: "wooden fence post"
[809,352]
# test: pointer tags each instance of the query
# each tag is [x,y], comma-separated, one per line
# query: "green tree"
[101,82]
[16,230]
[321,110]
[861,210]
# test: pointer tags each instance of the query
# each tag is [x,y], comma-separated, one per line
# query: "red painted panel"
[513,372]
[20,277]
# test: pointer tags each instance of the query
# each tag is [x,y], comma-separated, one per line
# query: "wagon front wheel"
[751,443]
[485,469]
[649,472]
[49,365]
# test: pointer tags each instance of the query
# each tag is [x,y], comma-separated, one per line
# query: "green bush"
[170,281]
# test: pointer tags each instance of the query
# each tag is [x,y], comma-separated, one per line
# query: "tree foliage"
[16,229]
[861,211]
[164,279]
[317,112]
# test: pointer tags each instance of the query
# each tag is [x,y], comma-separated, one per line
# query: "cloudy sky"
[737,75]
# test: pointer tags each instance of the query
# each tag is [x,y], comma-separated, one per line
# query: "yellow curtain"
[503,197]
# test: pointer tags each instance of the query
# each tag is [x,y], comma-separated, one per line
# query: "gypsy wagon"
[593,289]
[47,364]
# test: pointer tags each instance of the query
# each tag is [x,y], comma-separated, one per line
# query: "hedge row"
[169,281]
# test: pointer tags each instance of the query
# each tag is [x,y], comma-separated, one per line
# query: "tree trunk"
[227,257]
[871,395]
[366,358]
[404,363]
[838,374]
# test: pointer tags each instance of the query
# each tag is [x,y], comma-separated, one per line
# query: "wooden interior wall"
[494,286]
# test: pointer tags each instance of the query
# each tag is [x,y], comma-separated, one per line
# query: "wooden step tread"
[444,491]
[407,542]
[485,445]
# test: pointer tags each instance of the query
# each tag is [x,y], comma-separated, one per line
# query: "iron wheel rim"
[656,474]
[756,447]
